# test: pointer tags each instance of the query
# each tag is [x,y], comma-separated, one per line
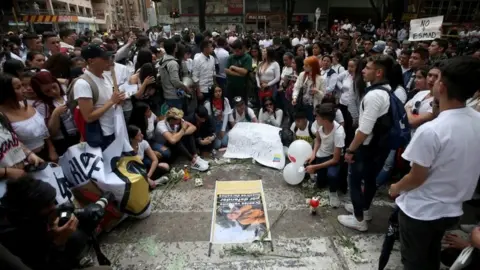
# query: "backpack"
[392,129]
[247,116]
[312,135]
[71,102]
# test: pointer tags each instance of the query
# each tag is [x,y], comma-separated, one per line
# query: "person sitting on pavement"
[142,148]
[241,113]
[219,109]
[205,130]
[177,134]
[270,114]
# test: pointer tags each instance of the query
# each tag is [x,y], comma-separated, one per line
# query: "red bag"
[268,92]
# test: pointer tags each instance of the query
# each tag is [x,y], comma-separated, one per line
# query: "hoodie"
[170,77]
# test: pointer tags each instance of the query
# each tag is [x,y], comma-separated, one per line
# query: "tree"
[290,8]
[202,6]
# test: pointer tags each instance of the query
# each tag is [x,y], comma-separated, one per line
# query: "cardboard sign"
[426,28]
[239,213]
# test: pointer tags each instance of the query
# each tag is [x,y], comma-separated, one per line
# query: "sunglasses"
[416,107]
[268,104]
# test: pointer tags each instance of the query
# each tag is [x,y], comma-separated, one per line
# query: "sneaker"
[203,160]
[351,222]
[468,228]
[200,165]
[161,181]
[334,200]
[366,213]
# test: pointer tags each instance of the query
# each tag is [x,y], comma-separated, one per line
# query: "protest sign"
[239,213]
[258,141]
[426,28]
[53,174]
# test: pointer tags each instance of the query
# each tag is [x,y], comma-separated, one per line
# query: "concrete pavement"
[176,235]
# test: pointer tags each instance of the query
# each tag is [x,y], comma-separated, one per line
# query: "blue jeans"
[162,149]
[384,174]
[327,175]
[368,162]
[219,143]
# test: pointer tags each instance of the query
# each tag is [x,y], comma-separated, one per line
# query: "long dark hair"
[212,94]
[13,67]
[132,131]
[359,84]
[144,56]
[296,49]
[299,63]
[39,79]
[256,48]
[395,77]
[273,103]
[8,95]
[138,117]
[59,65]
[270,55]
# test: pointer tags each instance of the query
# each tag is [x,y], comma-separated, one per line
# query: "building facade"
[130,14]
[43,15]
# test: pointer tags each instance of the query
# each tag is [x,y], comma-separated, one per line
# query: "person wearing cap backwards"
[177,134]
[98,61]
[241,113]
[239,65]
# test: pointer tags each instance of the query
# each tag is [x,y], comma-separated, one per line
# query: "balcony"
[99,14]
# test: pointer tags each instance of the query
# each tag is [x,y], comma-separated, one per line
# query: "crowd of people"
[360,95]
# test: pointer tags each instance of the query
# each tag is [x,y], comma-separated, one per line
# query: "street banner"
[426,28]
[239,213]
[258,141]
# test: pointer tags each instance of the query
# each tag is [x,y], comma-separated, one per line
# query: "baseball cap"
[215,34]
[95,51]
[238,100]
[379,47]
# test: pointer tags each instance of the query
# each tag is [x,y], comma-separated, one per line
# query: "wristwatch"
[348,151]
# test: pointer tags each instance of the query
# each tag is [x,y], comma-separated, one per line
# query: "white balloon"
[293,174]
[299,151]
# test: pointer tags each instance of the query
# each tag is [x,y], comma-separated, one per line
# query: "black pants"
[349,135]
[185,147]
[421,241]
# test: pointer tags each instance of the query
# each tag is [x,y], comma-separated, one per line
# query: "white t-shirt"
[335,139]
[373,105]
[163,127]
[449,147]
[425,104]
[241,118]
[304,134]
[82,89]
[151,126]
[142,147]
[338,118]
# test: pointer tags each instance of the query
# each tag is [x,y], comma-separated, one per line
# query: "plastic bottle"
[186,174]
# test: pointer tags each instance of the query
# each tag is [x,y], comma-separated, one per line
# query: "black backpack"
[312,135]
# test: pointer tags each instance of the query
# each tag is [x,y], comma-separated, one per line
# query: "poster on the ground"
[239,213]
[426,28]
[258,141]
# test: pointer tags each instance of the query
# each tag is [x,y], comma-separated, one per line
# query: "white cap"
[215,34]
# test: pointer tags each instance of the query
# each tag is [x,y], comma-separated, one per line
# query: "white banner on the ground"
[258,141]
[426,28]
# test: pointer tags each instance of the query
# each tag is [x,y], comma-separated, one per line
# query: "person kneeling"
[177,134]
[329,142]
[205,133]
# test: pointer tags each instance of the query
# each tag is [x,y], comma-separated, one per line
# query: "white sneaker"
[200,165]
[203,160]
[366,213]
[162,180]
[351,221]
[334,200]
